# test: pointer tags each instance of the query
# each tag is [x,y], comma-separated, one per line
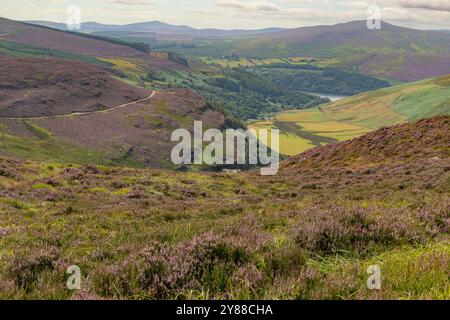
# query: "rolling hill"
[69,111]
[357,115]
[424,141]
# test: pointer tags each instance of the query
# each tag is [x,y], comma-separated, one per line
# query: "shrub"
[205,263]
[362,230]
[26,267]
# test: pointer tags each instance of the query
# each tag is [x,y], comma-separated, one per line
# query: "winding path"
[7,32]
[82,113]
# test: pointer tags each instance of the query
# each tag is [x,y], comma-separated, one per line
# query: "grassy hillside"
[308,233]
[72,112]
[20,50]
[143,47]
[354,116]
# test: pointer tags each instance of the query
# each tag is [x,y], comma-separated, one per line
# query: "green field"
[41,145]
[21,50]
[354,116]
[255,62]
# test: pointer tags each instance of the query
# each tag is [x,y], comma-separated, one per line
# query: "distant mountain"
[392,52]
[356,34]
[157,27]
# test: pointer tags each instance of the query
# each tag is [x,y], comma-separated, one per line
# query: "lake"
[332,97]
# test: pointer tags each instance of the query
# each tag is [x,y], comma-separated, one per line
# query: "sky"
[235,14]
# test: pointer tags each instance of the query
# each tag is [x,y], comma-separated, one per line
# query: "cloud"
[133,2]
[254,6]
[440,5]
[238,14]
[355,4]
[295,13]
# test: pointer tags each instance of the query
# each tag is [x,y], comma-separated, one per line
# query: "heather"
[308,233]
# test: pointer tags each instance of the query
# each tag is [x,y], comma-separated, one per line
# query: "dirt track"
[82,113]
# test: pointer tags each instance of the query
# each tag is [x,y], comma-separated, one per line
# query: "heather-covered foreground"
[308,233]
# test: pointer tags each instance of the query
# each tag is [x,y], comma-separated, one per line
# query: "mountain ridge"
[158,27]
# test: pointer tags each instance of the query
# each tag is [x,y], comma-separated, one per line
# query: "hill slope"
[385,107]
[393,52]
[32,87]
[137,135]
[353,116]
[42,37]
[427,140]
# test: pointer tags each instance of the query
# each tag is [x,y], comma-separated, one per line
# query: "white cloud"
[133,2]
[254,6]
[238,14]
[440,5]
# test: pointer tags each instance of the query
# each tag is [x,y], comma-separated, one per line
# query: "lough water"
[332,97]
